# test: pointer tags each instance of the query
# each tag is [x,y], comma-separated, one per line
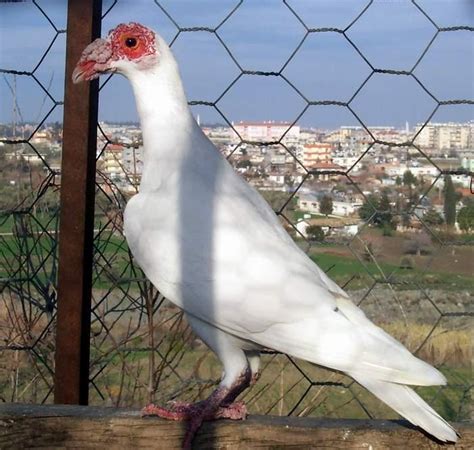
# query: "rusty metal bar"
[77,212]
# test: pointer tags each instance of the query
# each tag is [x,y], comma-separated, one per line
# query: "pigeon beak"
[84,71]
[94,61]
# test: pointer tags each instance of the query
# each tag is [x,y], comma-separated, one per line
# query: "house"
[336,226]
[310,203]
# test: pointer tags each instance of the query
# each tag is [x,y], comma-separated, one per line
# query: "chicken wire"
[141,347]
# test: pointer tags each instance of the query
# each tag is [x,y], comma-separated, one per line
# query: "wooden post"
[77,211]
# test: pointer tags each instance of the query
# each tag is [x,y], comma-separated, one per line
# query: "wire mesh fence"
[383,241]
[29,224]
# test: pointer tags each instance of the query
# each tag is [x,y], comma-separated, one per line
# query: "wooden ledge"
[67,426]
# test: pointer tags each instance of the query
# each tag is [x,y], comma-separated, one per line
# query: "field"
[425,304]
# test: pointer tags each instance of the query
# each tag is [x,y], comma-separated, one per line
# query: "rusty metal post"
[77,212]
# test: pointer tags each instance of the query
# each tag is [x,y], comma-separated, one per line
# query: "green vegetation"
[367,210]
[450,200]
[466,218]
[433,218]
[326,206]
[112,252]
[342,268]
[315,233]
[379,210]
[188,372]
[277,199]
[185,369]
[244,164]
[409,179]
[8,222]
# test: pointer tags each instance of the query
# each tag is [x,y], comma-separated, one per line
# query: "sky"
[262,35]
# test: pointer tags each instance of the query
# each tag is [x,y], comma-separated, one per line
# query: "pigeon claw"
[186,411]
[219,405]
[196,413]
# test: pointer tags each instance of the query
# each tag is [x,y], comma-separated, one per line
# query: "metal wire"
[28,259]
[136,332]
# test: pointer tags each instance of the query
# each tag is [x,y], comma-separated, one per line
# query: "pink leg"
[219,405]
[185,411]
[255,378]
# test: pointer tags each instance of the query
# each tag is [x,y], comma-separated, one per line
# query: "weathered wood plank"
[68,426]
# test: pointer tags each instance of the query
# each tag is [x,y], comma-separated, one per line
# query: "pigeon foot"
[183,411]
[219,405]
[196,413]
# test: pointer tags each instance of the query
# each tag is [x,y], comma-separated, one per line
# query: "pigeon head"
[127,48]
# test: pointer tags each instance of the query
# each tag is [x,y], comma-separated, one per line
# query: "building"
[349,136]
[388,134]
[267,131]
[468,164]
[397,170]
[347,162]
[317,153]
[111,160]
[318,157]
[446,135]
[330,226]
[220,135]
[310,203]
[132,163]
[41,137]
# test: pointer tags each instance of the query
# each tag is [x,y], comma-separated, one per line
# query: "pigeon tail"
[410,405]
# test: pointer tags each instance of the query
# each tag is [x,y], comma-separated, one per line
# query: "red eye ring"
[132,41]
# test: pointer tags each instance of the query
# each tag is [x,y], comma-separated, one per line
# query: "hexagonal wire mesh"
[141,348]
[29,224]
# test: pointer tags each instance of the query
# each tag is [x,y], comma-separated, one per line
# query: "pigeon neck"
[165,119]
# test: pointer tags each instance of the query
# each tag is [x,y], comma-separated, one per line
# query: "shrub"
[406,263]
[315,233]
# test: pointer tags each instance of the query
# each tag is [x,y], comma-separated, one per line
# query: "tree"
[289,181]
[366,211]
[406,218]
[244,164]
[409,179]
[325,205]
[384,216]
[315,233]
[423,184]
[398,181]
[276,199]
[433,217]
[407,208]
[450,199]
[466,218]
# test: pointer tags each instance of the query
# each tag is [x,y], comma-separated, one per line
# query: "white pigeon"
[212,245]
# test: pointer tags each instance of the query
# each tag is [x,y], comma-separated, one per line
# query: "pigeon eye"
[131,42]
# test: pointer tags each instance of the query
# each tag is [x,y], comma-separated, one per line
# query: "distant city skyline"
[261,36]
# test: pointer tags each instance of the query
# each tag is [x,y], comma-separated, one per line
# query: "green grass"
[341,268]
[7,222]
